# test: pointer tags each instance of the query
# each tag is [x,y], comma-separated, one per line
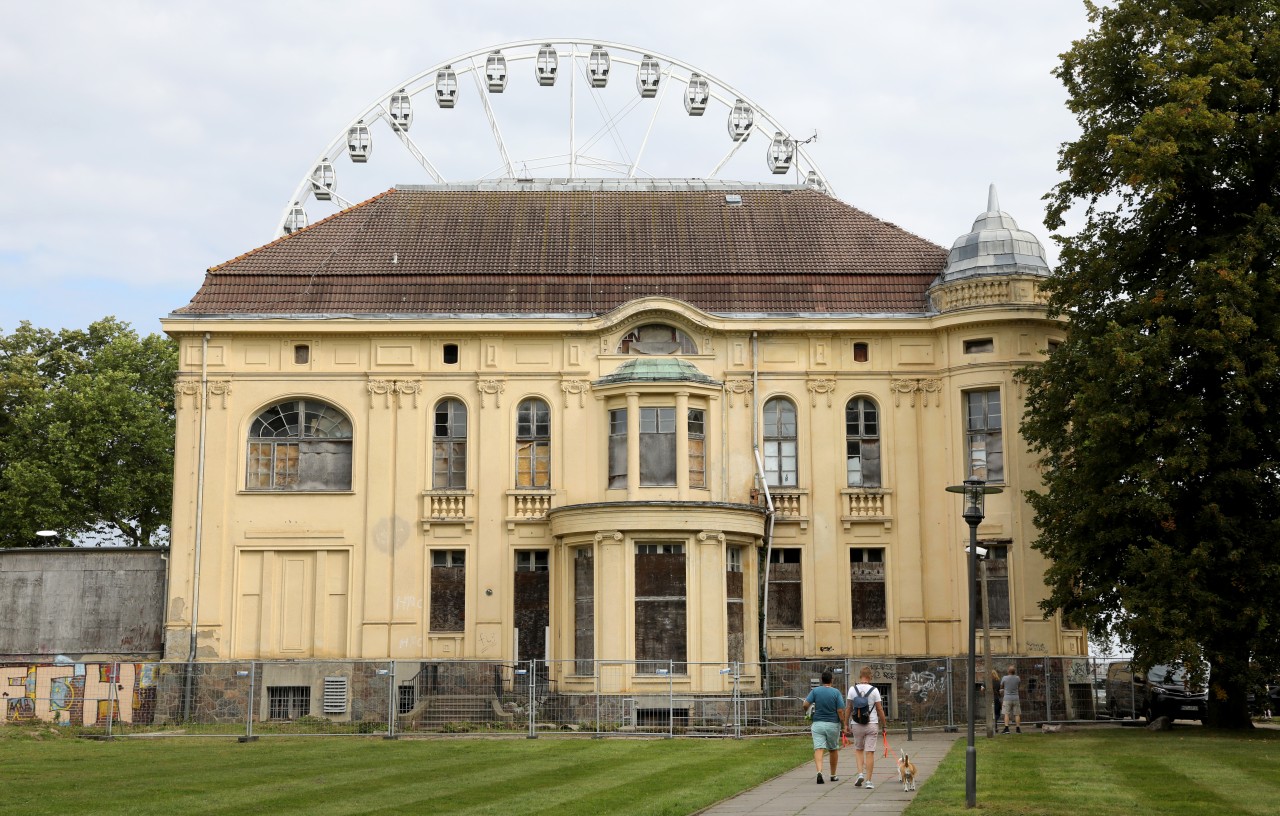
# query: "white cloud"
[150,140]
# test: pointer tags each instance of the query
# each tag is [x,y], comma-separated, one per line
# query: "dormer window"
[656,338]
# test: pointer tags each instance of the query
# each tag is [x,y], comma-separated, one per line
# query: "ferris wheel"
[558,108]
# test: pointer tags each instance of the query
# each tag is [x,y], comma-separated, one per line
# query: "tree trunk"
[1228,693]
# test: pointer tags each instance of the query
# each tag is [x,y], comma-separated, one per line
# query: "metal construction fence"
[262,698]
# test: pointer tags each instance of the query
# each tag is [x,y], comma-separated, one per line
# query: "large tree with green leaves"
[86,433]
[1158,420]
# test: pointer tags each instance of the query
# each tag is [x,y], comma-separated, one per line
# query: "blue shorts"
[826,736]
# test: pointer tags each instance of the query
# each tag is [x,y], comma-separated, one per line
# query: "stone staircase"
[435,711]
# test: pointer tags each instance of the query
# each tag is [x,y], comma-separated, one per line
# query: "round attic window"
[655,338]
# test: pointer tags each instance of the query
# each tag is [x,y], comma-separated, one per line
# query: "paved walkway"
[796,792]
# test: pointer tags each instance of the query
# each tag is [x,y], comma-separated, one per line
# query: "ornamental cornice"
[1004,290]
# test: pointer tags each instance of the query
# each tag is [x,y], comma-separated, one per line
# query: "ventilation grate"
[335,695]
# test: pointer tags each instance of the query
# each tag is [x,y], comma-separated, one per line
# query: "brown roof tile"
[577,250]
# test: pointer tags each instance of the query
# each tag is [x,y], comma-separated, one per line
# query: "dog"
[906,772]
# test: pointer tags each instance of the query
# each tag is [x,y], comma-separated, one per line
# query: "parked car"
[1163,691]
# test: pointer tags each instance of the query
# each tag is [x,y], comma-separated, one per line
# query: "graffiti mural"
[78,693]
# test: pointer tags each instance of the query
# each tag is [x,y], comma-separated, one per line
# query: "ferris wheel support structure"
[785,152]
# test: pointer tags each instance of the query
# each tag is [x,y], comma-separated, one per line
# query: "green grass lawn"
[1113,771]
[59,774]
[1093,771]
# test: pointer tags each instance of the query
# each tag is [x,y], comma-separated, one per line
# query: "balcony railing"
[448,507]
[867,504]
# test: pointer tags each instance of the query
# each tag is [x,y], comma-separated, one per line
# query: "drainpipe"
[768,500]
[195,587]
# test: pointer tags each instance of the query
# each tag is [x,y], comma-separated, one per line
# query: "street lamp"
[975,492]
[47,537]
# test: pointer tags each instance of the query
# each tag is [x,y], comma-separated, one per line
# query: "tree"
[1157,419]
[86,433]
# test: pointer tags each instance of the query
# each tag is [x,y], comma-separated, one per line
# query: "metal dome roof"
[995,246]
[656,369]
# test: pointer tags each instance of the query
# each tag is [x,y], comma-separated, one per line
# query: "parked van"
[1164,691]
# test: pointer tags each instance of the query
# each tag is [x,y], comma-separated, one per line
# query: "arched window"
[533,444]
[780,443]
[449,460]
[299,445]
[655,338]
[862,442]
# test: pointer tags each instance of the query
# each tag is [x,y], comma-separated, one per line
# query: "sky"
[147,141]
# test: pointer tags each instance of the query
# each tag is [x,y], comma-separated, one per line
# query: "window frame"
[863,436]
[289,445]
[533,444]
[869,578]
[984,435]
[449,449]
[779,447]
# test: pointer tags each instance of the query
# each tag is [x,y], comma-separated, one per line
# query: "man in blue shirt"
[828,723]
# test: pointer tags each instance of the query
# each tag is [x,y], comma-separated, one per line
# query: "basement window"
[288,702]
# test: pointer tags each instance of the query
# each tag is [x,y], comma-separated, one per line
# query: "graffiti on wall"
[78,693]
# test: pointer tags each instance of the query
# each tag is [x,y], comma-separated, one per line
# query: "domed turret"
[995,246]
[993,257]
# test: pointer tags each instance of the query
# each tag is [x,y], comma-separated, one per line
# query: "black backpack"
[861,707]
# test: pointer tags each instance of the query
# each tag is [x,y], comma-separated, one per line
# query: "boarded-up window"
[448,590]
[862,443]
[860,352]
[449,461]
[584,611]
[618,448]
[786,609]
[697,448]
[780,463]
[299,445]
[986,443]
[866,584]
[733,593]
[532,604]
[657,446]
[661,624]
[533,444]
[997,584]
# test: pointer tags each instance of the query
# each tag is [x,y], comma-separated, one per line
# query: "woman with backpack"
[865,715]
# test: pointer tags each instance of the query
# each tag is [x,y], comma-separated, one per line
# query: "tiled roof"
[576,249]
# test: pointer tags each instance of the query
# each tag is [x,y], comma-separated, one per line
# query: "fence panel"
[534,698]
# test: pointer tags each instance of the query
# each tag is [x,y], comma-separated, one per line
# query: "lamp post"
[975,492]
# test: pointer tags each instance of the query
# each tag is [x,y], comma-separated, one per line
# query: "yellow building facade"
[674,427]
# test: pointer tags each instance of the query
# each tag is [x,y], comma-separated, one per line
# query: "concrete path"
[797,792]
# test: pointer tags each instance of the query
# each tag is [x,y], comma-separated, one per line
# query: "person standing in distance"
[1009,686]
[866,712]
[828,721]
